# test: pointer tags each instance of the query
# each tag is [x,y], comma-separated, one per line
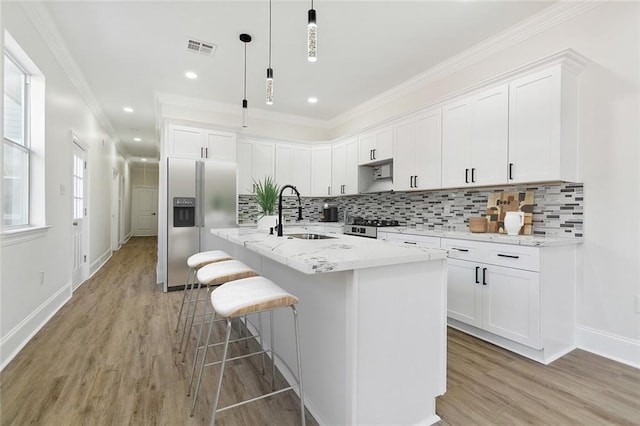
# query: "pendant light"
[312,35]
[245,38]
[269,69]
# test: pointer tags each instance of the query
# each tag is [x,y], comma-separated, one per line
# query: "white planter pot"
[266,222]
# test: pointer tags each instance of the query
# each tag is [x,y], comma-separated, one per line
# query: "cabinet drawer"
[415,240]
[464,250]
[512,256]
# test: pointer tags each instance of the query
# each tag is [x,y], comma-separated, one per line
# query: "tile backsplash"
[558,209]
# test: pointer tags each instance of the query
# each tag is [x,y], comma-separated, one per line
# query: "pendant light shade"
[269,83]
[312,35]
[245,38]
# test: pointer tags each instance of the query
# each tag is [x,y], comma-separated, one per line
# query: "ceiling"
[128,51]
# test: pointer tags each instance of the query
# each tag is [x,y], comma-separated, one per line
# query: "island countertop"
[338,253]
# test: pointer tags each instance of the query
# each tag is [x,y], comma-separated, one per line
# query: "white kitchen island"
[372,322]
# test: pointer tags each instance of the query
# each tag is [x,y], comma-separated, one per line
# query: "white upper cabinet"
[196,143]
[321,171]
[475,138]
[542,127]
[293,166]
[417,151]
[344,174]
[255,162]
[376,146]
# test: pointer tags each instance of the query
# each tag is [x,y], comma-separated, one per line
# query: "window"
[78,186]
[16,146]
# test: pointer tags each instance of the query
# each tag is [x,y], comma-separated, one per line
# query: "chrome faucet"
[279,225]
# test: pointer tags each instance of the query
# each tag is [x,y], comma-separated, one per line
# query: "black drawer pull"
[410,242]
[459,249]
[484,276]
[510,256]
[477,269]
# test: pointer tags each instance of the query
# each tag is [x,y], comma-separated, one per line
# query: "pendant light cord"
[245,72]
[269,33]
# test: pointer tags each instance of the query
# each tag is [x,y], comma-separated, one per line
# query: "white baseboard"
[99,263]
[616,348]
[22,333]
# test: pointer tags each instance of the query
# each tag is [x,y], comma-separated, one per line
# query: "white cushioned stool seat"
[224,271]
[249,295]
[198,260]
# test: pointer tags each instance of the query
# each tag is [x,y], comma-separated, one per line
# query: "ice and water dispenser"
[184,212]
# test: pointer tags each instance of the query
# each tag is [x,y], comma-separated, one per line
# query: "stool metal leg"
[204,360]
[197,349]
[188,322]
[273,353]
[224,360]
[295,321]
[184,298]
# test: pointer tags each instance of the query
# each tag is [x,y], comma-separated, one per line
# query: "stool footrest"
[257,398]
[237,357]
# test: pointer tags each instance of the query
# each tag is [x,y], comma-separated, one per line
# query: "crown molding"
[42,21]
[546,19]
[235,110]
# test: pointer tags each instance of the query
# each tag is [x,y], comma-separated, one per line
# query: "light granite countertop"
[523,240]
[339,253]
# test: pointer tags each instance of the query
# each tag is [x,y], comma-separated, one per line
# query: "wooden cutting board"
[501,202]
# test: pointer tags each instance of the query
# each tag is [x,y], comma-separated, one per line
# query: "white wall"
[609,113]
[25,303]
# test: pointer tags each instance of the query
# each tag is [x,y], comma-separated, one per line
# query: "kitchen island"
[372,322]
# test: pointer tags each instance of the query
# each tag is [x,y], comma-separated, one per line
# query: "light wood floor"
[109,358]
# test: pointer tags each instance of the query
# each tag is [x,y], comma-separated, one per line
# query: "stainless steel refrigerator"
[201,196]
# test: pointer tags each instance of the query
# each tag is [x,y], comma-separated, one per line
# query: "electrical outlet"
[41,277]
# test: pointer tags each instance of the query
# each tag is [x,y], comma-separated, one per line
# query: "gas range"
[367,227]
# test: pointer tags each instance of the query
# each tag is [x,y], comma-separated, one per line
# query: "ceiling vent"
[202,47]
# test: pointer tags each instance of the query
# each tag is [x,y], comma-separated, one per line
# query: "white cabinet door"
[456,137]
[302,170]
[377,146]
[321,171]
[220,145]
[428,150]
[245,160]
[255,162]
[464,292]
[535,127]
[338,168]
[262,161]
[511,304]
[185,142]
[284,165]
[489,133]
[351,164]
[404,155]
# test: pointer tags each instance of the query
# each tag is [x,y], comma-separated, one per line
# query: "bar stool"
[211,275]
[194,263]
[246,296]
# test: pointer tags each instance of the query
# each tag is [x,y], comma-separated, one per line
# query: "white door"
[115,210]
[428,152]
[456,136]
[79,249]
[464,292]
[404,155]
[144,211]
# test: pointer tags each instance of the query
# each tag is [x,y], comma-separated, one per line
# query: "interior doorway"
[116,201]
[79,216]
[144,211]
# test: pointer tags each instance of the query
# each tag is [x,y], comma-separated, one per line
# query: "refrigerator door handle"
[199,207]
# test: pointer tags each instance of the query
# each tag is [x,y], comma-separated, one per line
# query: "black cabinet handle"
[370,154]
[466,175]
[473,174]
[328,190]
[477,269]
[201,152]
[374,154]
[459,249]
[510,171]
[510,256]
[410,181]
[206,153]
[410,242]
[484,276]
[415,181]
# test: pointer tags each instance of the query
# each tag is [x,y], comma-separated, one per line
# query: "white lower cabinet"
[519,297]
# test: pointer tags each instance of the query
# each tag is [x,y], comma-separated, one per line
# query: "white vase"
[513,221]
[266,222]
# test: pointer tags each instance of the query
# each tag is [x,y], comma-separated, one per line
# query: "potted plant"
[267,197]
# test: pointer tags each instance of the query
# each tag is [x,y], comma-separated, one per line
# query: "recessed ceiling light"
[191,75]
[143,159]
[137,139]
[127,109]
[312,100]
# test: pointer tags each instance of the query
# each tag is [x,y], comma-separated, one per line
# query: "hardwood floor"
[109,358]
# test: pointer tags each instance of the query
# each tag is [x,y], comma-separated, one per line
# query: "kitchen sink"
[309,236]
